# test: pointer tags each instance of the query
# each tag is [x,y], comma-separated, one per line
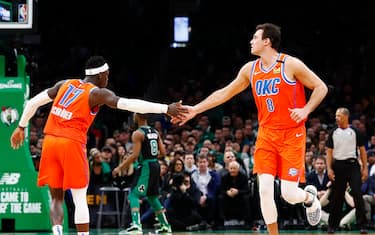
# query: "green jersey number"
[154,147]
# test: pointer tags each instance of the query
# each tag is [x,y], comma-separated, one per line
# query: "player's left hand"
[298,114]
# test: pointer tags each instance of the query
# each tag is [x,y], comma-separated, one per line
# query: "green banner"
[23,205]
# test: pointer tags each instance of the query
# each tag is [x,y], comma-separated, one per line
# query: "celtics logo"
[141,188]
[9,115]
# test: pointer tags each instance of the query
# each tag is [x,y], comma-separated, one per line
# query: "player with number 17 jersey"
[68,123]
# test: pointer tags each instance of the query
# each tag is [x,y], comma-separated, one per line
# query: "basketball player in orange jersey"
[63,162]
[277,81]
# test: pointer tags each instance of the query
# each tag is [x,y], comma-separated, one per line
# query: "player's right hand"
[177,110]
[182,120]
[17,138]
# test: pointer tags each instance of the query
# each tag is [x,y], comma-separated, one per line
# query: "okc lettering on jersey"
[61,113]
[267,87]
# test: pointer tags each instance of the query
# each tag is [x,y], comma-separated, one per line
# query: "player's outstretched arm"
[220,96]
[310,80]
[107,97]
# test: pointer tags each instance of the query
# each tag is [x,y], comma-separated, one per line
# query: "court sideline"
[226,232]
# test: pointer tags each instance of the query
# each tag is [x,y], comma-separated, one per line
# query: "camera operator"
[182,209]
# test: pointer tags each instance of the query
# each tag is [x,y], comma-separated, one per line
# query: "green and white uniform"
[146,182]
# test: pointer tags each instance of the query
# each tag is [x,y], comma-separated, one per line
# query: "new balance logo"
[9,178]
[299,134]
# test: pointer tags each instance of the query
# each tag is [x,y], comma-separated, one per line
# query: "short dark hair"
[178,179]
[322,157]
[202,156]
[94,62]
[271,31]
[106,149]
[180,152]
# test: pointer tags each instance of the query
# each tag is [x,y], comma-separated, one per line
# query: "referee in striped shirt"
[343,167]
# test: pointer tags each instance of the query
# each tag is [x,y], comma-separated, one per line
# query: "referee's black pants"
[346,171]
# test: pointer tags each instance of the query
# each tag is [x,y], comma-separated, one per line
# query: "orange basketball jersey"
[70,115]
[274,93]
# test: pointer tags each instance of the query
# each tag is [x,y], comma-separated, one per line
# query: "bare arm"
[297,70]
[219,96]
[364,170]
[224,94]
[103,96]
[331,173]
[162,151]
[310,80]
[52,92]
[137,138]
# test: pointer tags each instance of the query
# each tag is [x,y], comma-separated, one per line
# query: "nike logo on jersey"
[256,73]
[299,134]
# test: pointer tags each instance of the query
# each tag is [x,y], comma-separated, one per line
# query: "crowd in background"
[220,141]
[228,197]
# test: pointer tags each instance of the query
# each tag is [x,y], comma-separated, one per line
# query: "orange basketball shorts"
[63,163]
[281,153]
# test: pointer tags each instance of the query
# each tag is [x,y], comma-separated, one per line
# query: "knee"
[81,214]
[290,196]
[266,193]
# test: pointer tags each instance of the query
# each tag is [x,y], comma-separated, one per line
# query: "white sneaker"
[164,230]
[132,230]
[313,211]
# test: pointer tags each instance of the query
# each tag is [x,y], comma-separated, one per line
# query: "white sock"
[57,229]
[82,233]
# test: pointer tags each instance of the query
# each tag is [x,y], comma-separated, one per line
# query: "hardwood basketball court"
[226,232]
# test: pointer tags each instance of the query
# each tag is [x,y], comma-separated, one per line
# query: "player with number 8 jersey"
[277,82]
[274,93]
